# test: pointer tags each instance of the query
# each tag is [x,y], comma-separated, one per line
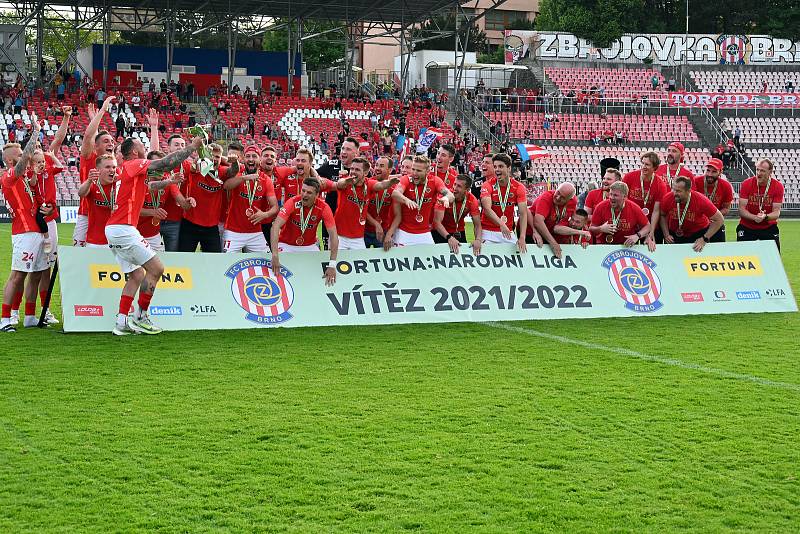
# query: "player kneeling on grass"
[137,260]
[297,223]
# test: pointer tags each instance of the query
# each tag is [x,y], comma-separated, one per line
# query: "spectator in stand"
[763,86]
[654,82]
[737,137]
[671,84]
[251,125]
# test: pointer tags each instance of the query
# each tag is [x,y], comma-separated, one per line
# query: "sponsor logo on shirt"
[111,276]
[694,296]
[88,310]
[633,278]
[265,297]
[166,310]
[748,295]
[723,266]
[777,293]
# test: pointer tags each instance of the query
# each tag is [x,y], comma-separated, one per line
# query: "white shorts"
[79,234]
[490,236]
[351,243]
[27,254]
[128,245]
[156,243]
[406,239]
[283,247]
[95,245]
[238,242]
[52,237]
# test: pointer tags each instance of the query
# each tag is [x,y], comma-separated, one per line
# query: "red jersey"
[292,233]
[756,199]
[553,215]
[23,201]
[698,212]
[208,194]
[459,210]
[168,202]
[162,198]
[572,239]
[631,220]
[448,176]
[101,204]
[653,190]
[380,207]
[130,195]
[352,208]
[669,177]
[46,184]
[86,164]
[594,197]
[517,194]
[721,193]
[261,190]
[428,194]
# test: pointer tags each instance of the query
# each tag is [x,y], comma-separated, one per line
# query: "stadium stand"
[636,128]
[767,130]
[743,81]
[618,84]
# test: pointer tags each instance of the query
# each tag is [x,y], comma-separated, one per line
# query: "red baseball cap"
[678,145]
[716,163]
[252,148]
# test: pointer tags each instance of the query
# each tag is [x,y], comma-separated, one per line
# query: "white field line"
[648,357]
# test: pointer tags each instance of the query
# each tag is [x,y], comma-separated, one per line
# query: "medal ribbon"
[108,201]
[615,218]
[713,191]
[646,197]
[416,194]
[28,189]
[560,214]
[380,202]
[251,191]
[361,205]
[677,173]
[304,223]
[764,196]
[682,216]
[503,199]
[461,211]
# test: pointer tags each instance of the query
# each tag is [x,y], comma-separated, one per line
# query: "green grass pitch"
[647,424]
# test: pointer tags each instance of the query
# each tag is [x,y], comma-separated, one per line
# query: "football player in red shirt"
[252,201]
[28,258]
[153,213]
[136,258]
[499,195]
[170,226]
[355,193]
[295,228]
[101,191]
[575,231]
[200,224]
[718,190]
[688,216]
[442,169]
[674,166]
[596,196]
[414,198]
[379,211]
[645,190]
[279,177]
[618,220]
[448,223]
[552,208]
[94,144]
[760,201]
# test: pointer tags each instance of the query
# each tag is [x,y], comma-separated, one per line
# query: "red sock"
[125,304]
[6,311]
[144,300]
[17,301]
[30,308]
[42,296]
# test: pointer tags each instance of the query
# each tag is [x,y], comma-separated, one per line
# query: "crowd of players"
[138,204]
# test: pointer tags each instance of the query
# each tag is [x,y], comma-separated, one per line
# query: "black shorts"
[266,229]
[192,234]
[690,238]
[772,233]
[719,237]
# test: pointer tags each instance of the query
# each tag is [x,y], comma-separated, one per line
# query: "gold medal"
[610,238]
[419,218]
[299,240]
[503,219]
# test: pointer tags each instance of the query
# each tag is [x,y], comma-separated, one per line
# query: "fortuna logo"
[633,278]
[265,297]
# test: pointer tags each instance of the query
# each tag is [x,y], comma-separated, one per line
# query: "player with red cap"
[718,190]
[674,166]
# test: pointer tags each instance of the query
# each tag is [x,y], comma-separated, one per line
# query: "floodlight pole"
[106,39]
[39,42]
[169,28]
[231,52]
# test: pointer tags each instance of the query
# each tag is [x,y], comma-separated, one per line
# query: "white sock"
[121,319]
